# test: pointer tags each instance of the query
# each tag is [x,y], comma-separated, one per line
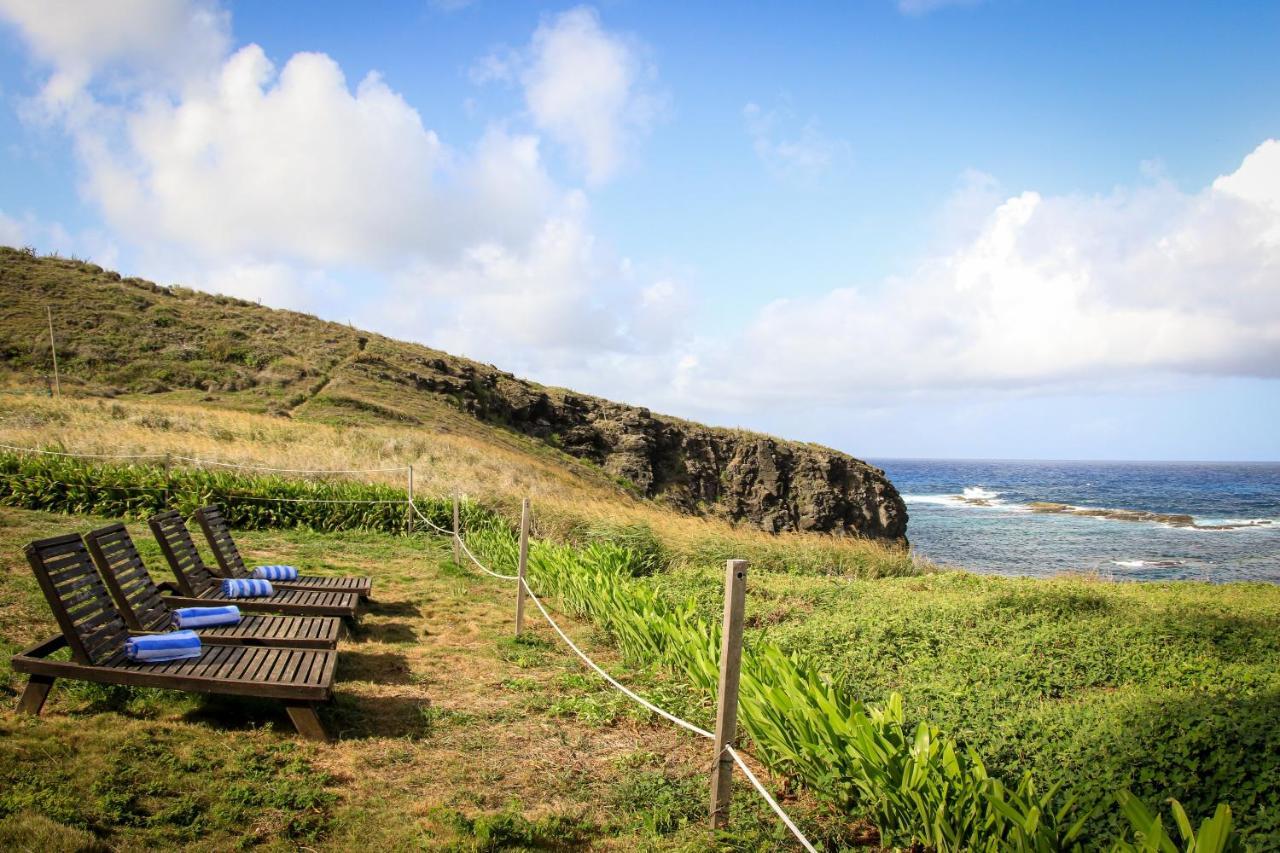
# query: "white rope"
[84,455]
[773,804]
[289,470]
[751,777]
[429,522]
[481,566]
[307,500]
[609,678]
[196,461]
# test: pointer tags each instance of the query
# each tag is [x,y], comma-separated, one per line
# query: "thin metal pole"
[735,596]
[167,496]
[524,563]
[53,347]
[410,506]
[457,550]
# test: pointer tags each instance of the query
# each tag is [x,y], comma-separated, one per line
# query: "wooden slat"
[77,597]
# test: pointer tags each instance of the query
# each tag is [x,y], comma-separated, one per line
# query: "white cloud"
[292,165]
[1050,292]
[157,42]
[801,153]
[587,88]
[254,181]
[12,232]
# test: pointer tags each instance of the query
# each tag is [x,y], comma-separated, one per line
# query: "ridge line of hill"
[118,335]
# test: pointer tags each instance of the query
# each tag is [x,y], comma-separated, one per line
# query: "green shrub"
[60,484]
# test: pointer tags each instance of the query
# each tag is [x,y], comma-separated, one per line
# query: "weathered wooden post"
[735,596]
[53,347]
[410,507]
[524,564]
[457,533]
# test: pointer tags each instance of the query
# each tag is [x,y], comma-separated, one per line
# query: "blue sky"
[995,229]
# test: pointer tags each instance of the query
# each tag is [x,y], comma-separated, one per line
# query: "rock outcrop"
[773,484]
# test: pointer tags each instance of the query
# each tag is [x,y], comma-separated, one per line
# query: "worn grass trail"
[449,734]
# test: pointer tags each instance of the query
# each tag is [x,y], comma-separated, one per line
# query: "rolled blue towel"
[154,648]
[246,588]
[276,573]
[205,617]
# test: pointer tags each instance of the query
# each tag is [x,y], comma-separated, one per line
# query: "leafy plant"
[1214,835]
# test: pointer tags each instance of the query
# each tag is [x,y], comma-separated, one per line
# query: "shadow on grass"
[384,632]
[1199,747]
[393,608]
[346,716]
[375,667]
[351,717]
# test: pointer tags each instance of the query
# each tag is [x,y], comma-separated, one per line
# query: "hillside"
[125,336]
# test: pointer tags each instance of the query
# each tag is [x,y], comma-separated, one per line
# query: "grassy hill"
[121,337]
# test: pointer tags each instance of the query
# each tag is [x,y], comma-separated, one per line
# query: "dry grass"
[497,467]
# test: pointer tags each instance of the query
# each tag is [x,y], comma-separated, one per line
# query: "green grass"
[1169,689]
[448,738]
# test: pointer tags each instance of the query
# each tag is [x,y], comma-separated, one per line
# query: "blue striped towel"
[205,617]
[153,648]
[246,588]
[276,573]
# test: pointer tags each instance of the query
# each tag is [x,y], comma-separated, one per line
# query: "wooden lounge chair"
[96,633]
[218,533]
[145,610]
[195,581]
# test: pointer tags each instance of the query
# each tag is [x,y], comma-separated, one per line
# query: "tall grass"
[918,785]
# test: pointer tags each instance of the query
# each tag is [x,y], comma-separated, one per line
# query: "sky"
[922,228]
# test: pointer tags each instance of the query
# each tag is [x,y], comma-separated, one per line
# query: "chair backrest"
[193,576]
[88,618]
[136,594]
[218,534]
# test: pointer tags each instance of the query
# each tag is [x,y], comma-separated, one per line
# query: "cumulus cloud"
[291,164]
[789,151]
[587,88]
[257,181]
[1050,291]
[158,43]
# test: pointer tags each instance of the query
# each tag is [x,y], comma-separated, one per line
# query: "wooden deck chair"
[96,633]
[195,581]
[145,610]
[218,533]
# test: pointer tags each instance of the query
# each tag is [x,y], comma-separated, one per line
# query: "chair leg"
[306,721]
[37,690]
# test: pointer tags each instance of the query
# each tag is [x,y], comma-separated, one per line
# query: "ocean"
[1214,521]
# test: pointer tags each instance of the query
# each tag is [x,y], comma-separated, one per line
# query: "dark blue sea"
[979,515]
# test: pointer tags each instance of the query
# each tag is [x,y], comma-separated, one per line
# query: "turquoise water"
[975,515]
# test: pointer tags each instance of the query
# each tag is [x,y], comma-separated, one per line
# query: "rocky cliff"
[131,336]
[773,484]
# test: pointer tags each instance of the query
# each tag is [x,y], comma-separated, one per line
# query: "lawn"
[448,733]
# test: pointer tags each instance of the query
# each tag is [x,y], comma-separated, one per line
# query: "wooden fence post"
[457,542]
[53,348]
[524,564]
[735,596]
[167,496]
[410,507]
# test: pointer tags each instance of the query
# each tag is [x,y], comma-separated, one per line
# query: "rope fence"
[460,541]
[622,688]
[197,461]
[238,495]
